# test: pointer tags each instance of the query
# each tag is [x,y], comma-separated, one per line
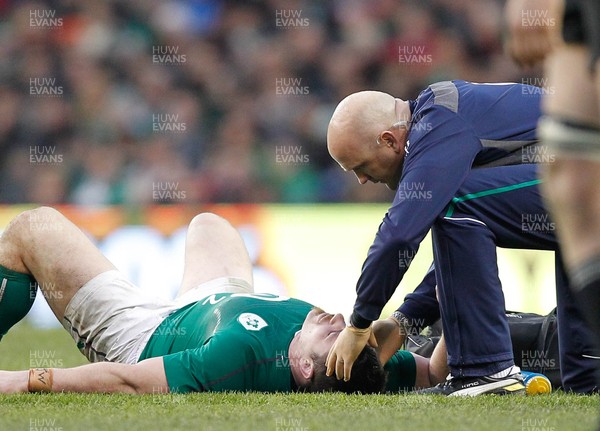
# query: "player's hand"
[346,349]
[534,29]
[13,382]
[390,336]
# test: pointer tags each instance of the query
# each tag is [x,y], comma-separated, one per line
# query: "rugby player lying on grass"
[216,335]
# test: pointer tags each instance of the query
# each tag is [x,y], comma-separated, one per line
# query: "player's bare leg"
[572,181]
[213,249]
[44,244]
[573,178]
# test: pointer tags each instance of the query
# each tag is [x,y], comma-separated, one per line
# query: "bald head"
[358,119]
[362,136]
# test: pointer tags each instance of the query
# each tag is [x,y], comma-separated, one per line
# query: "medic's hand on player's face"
[346,349]
[390,336]
[534,28]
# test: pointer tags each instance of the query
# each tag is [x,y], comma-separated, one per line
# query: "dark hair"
[368,376]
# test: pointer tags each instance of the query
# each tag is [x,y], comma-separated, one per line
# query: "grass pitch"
[24,347]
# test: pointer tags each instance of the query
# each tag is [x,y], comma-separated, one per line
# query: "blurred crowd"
[157,101]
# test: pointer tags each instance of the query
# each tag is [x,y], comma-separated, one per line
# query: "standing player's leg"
[43,244]
[572,129]
[578,355]
[213,249]
[586,278]
[586,271]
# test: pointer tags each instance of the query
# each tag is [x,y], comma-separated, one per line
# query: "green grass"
[276,412]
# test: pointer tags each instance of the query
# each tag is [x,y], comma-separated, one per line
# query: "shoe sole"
[505,387]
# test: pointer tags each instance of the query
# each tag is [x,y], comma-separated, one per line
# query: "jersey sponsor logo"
[252,322]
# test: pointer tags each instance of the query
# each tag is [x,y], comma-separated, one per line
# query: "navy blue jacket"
[455,126]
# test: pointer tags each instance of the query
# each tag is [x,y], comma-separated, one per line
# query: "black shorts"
[582,25]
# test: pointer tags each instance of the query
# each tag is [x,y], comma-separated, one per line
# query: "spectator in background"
[198,93]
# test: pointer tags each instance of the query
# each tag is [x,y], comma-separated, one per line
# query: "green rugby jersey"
[240,342]
[228,341]
[402,372]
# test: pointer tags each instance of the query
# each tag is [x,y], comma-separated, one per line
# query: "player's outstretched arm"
[145,377]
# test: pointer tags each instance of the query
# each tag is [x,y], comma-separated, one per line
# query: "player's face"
[319,331]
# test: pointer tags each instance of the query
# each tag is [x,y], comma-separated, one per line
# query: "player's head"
[367,134]
[308,352]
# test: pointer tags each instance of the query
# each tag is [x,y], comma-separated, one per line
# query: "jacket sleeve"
[440,154]
[421,306]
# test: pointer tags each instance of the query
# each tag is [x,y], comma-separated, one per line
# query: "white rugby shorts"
[110,319]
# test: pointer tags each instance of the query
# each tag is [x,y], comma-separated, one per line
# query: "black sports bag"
[534,341]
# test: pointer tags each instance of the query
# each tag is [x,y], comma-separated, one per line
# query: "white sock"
[505,373]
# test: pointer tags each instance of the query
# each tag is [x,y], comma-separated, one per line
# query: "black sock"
[585,283]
